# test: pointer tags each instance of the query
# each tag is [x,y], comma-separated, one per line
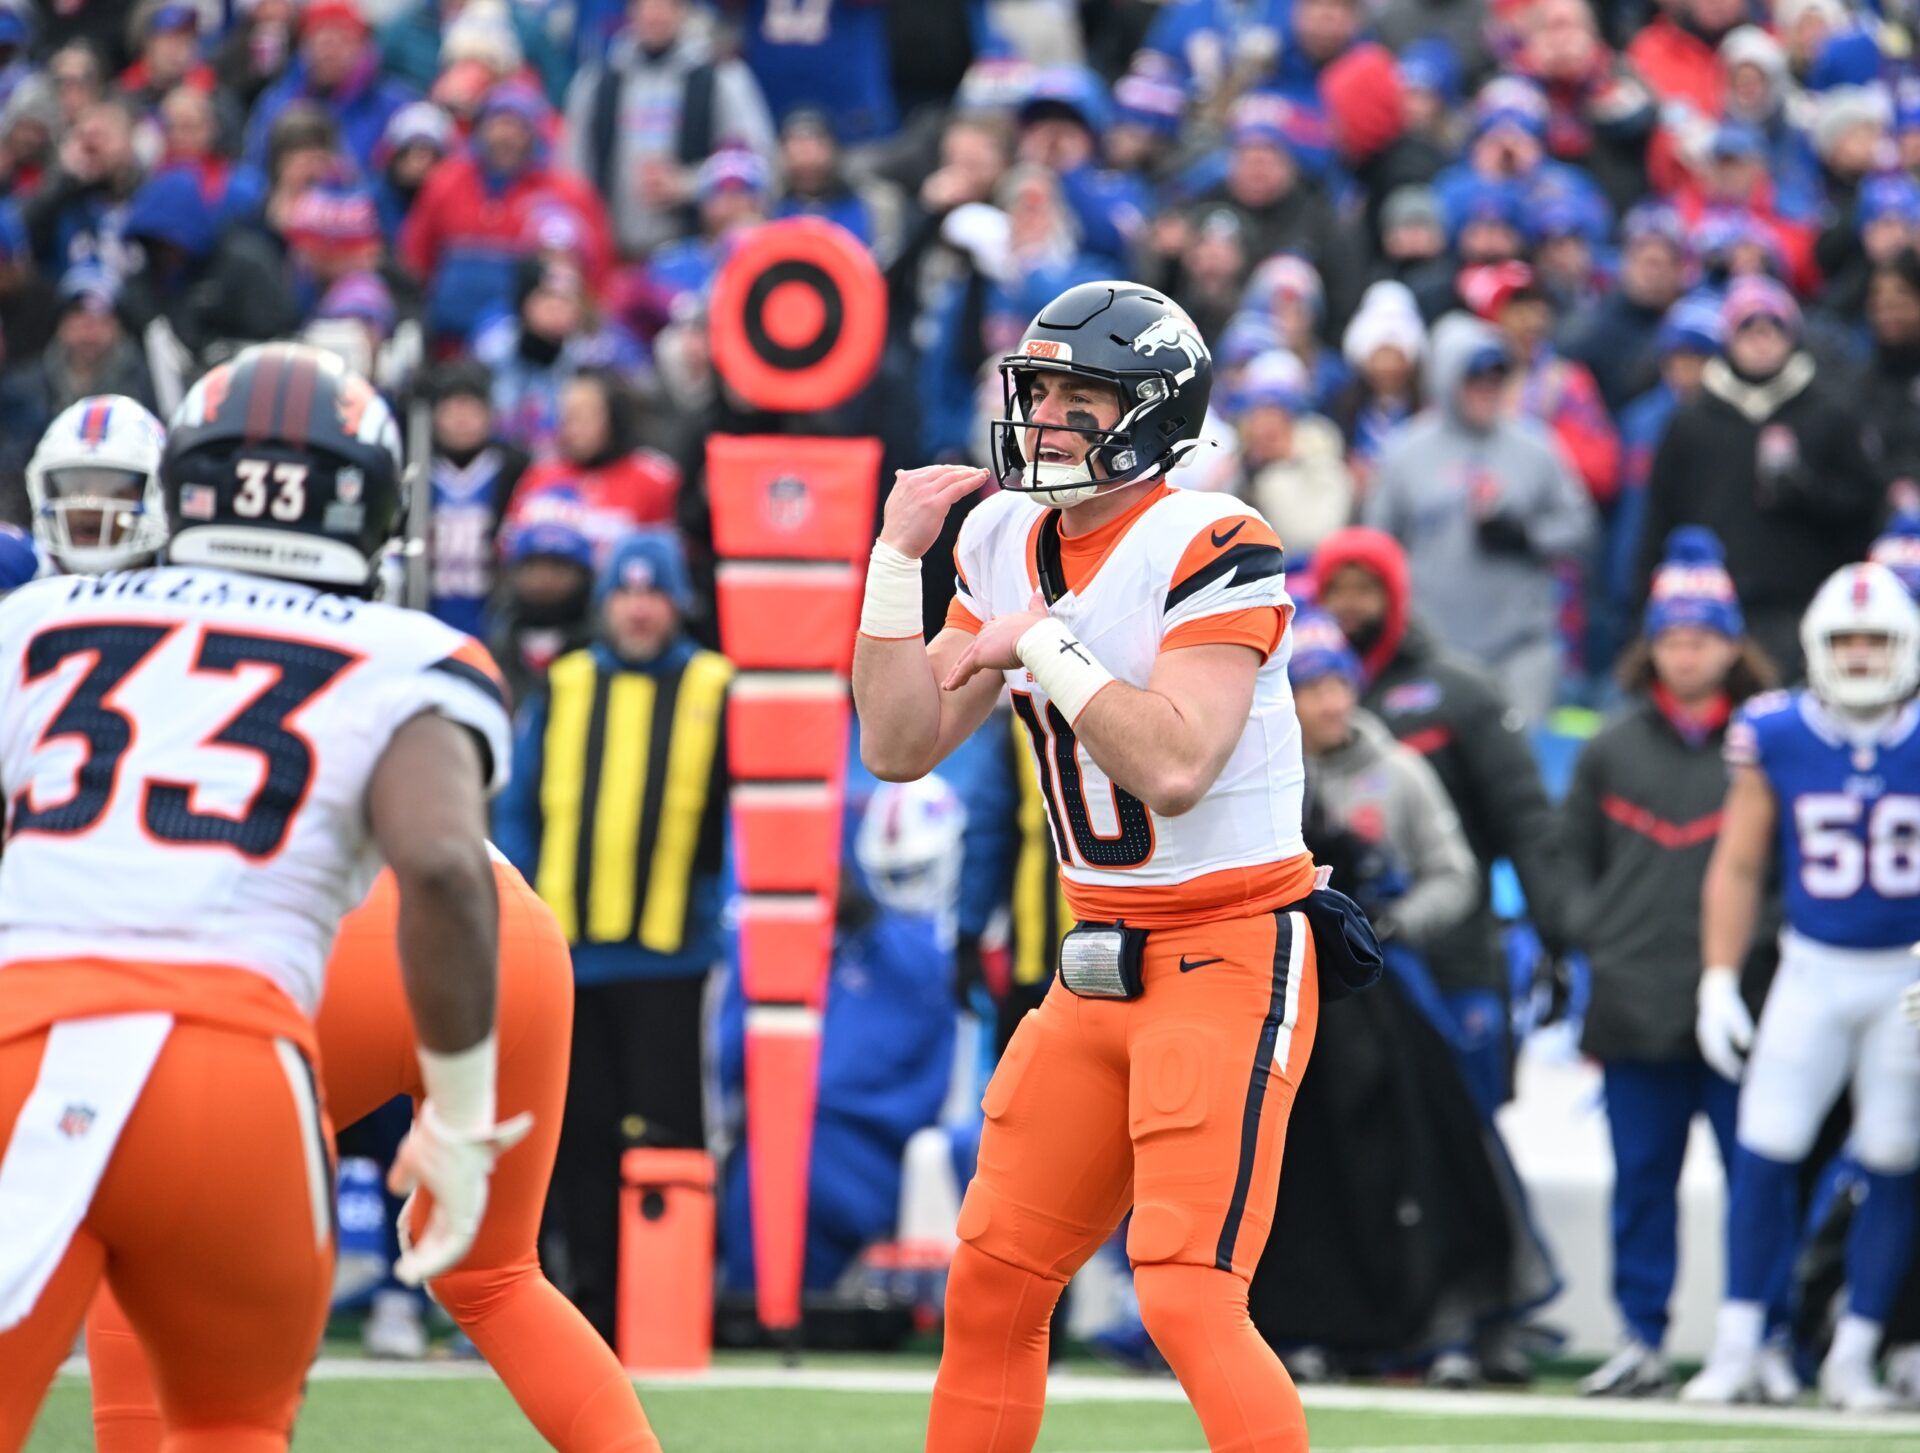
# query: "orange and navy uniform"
[185,756]
[556,1366]
[1174,1103]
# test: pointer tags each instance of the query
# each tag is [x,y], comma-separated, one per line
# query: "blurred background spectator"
[641,905]
[1637,827]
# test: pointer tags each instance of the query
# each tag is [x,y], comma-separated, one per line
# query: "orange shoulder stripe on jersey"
[1215,540]
[474,664]
[1260,627]
[1226,893]
[962,619]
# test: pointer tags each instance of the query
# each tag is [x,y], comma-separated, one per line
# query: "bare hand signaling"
[919,501]
[993,649]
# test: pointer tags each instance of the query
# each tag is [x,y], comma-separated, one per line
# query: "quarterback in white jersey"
[202,763]
[1144,633]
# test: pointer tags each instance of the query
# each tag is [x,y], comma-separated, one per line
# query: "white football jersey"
[185,755]
[1185,568]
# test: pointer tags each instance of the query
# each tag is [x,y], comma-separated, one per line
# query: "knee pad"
[999,1228]
[1161,1232]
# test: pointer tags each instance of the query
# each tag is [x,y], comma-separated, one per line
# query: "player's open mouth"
[1051,454]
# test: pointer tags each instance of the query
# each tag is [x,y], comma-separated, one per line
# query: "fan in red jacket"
[621,484]
[469,225]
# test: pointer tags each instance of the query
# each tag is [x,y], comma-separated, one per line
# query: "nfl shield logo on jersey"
[76,1120]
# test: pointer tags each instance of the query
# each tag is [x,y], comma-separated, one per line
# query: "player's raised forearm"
[1168,743]
[898,699]
[428,813]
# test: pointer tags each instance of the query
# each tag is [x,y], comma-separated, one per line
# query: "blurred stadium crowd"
[1500,295]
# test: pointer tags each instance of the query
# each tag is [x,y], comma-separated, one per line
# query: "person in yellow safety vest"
[617,817]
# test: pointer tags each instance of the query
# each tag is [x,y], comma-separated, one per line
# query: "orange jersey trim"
[1260,627]
[1216,539]
[962,619]
[38,993]
[1227,893]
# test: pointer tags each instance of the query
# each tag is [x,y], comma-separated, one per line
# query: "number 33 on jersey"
[185,752]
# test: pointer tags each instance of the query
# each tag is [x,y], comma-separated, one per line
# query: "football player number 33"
[1837,860]
[301,671]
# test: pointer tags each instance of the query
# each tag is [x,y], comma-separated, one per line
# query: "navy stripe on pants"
[1650,1109]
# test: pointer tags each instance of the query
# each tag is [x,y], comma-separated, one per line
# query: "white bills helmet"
[1862,600]
[908,846]
[94,486]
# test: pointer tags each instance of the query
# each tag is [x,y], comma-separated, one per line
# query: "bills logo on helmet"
[1176,332]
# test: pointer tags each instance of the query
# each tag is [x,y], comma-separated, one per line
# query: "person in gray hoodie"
[1370,786]
[1488,511]
[639,125]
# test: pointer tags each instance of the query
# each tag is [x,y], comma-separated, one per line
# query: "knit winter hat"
[1691,325]
[1361,92]
[1759,297]
[1319,649]
[646,560]
[1276,379]
[1844,108]
[1388,317]
[1899,550]
[1692,587]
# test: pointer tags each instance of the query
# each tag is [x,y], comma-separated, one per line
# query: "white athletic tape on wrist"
[460,1087]
[1064,667]
[890,611]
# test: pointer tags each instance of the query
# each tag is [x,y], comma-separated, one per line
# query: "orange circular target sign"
[799,315]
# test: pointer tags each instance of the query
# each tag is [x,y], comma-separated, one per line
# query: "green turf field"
[864,1406]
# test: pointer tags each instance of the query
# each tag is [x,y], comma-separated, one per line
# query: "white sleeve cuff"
[1062,664]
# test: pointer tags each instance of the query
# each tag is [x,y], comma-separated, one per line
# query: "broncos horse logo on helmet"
[1172,332]
[286,463]
[1124,335]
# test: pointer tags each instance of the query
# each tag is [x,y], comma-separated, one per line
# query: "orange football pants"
[563,1375]
[1176,1104]
[212,1224]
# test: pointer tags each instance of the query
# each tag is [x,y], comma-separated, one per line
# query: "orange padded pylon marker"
[666,1260]
[783,1060]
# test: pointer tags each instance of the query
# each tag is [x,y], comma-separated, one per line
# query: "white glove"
[450,1153]
[453,1167]
[1910,1003]
[1723,1027]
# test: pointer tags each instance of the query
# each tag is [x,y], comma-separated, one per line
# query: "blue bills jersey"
[1849,816]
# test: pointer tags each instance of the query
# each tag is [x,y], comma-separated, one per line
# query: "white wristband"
[460,1087]
[891,610]
[1065,668]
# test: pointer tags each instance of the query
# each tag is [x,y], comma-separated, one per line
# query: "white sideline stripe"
[1079,1388]
[1693,1445]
